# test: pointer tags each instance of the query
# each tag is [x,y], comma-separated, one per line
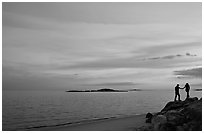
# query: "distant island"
[197,89]
[135,90]
[100,90]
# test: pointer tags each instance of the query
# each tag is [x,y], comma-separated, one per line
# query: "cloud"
[83,43]
[132,62]
[188,54]
[170,56]
[195,72]
[173,47]
[164,57]
[122,13]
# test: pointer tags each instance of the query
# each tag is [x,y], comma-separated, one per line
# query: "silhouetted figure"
[187,86]
[177,92]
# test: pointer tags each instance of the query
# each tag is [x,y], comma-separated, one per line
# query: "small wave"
[79,122]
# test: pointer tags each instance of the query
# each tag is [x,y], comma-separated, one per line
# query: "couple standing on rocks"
[187,86]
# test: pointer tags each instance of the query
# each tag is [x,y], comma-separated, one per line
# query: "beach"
[170,118]
[128,123]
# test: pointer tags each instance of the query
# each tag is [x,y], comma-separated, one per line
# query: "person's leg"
[175,96]
[188,94]
[179,97]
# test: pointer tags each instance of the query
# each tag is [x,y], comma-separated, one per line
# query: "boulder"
[177,105]
[168,126]
[180,128]
[157,121]
[193,111]
[149,117]
[145,128]
[172,106]
[191,99]
[175,117]
[194,126]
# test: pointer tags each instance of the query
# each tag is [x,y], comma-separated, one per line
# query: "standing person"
[187,86]
[177,92]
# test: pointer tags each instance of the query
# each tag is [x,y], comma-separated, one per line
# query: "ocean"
[22,110]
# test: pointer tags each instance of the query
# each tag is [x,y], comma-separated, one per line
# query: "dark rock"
[176,105]
[149,117]
[193,111]
[180,128]
[194,126]
[157,121]
[145,128]
[185,127]
[167,127]
[172,106]
[178,116]
[148,120]
[189,100]
[175,117]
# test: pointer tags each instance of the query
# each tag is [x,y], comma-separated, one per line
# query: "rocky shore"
[176,116]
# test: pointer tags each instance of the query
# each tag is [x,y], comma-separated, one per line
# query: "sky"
[68,46]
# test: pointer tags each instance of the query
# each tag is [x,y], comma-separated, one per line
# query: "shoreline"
[123,123]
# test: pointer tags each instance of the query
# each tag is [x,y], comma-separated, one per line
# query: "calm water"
[25,109]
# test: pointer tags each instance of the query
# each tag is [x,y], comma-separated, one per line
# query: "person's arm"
[182,88]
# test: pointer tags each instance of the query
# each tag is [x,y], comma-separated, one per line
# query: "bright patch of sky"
[94,45]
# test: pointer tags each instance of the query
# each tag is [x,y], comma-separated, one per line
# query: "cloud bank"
[62,45]
[194,72]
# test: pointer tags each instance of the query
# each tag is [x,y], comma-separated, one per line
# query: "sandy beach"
[129,123]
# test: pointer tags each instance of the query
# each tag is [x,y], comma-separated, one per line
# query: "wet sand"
[129,123]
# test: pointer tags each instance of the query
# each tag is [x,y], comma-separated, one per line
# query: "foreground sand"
[129,123]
